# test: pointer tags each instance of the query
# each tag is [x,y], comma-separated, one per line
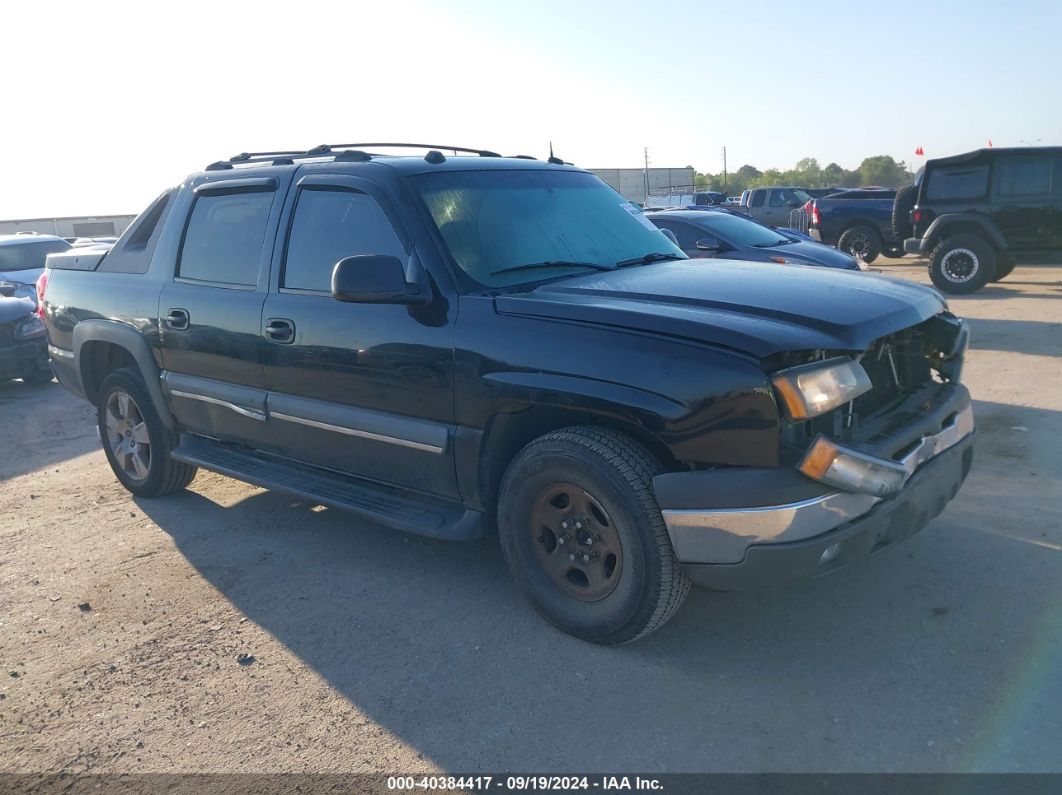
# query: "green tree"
[883,170]
[833,175]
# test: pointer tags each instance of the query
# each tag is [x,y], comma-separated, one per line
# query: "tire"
[902,205]
[862,241]
[589,490]
[40,373]
[1004,267]
[135,441]
[962,264]
[894,254]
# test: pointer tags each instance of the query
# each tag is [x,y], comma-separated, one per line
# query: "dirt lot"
[376,651]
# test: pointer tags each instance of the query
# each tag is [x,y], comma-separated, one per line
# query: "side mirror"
[374,279]
[7,290]
[708,244]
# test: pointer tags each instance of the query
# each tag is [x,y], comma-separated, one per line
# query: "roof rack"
[342,151]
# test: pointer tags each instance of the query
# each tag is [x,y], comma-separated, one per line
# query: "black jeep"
[453,345]
[976,215]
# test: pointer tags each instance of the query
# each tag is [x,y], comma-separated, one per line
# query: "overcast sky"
[104,104]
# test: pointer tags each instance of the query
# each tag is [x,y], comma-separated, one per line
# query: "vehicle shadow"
[43,425]
[1036,337]
[924,644]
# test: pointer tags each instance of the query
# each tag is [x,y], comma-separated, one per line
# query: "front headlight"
[813,389]
[29,328]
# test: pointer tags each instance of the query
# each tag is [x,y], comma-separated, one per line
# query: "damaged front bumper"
[752,529]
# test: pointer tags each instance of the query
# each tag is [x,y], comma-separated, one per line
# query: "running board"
[401,510]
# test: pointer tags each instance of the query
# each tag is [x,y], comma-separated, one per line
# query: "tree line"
[880,170]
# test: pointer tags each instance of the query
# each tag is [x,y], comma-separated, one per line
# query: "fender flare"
[935,232]
[132,341]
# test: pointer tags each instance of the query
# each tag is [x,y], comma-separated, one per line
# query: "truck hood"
[756,308]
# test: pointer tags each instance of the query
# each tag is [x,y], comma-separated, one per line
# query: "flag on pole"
[919,151]
[989,143]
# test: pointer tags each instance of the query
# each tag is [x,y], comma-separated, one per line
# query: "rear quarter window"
[1023,176]
[957,182]
[224,238]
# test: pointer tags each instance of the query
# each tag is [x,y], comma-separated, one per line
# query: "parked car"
[975,215]
[858,222]
[22,259]
[94,242]
[707,198]
[23,345]
[456,346]
[773,206]
[722,234]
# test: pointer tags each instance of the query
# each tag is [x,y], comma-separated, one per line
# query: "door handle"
[280,330]
[178,319]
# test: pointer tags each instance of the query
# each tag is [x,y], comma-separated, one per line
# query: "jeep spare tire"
[902,205]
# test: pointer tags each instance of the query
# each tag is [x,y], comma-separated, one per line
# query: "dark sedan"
[726,235]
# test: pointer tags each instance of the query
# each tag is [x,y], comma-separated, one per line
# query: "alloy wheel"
[127,435]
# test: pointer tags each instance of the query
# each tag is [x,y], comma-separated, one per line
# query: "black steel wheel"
[584,538]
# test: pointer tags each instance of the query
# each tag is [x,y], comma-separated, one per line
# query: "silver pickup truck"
[773,205]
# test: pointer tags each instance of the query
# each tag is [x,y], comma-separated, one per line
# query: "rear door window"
[686,234]
[1023,176]
[957,182]
[757,197]
[224,238]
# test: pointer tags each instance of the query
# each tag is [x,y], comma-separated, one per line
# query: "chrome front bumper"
[724,536]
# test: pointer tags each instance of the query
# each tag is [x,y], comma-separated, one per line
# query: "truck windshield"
[28,256]
[505,228]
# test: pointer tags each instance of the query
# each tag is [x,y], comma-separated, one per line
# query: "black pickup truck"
[461,345]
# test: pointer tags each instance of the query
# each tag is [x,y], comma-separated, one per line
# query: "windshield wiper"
[552,263]
[784,241]
[654,256]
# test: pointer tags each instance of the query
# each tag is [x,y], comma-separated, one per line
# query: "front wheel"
[40,372]
[584,538]
[135,441]
[962,264]
[861,241]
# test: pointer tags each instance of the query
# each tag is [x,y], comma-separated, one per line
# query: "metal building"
[635,184]
[70,226]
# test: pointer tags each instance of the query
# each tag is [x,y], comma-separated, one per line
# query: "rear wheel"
[135,441]
[861,241]
[962,264]
[894,253]
[1004,267]
[584,538]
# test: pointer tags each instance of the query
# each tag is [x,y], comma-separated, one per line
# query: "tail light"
[42,285]
[815,220]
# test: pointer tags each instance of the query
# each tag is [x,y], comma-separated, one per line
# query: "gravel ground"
[122,623]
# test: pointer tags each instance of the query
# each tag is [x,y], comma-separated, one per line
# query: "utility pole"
[646,175]
[724,169]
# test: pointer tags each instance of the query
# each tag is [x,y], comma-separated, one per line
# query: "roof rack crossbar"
[344,151]
[480,152]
